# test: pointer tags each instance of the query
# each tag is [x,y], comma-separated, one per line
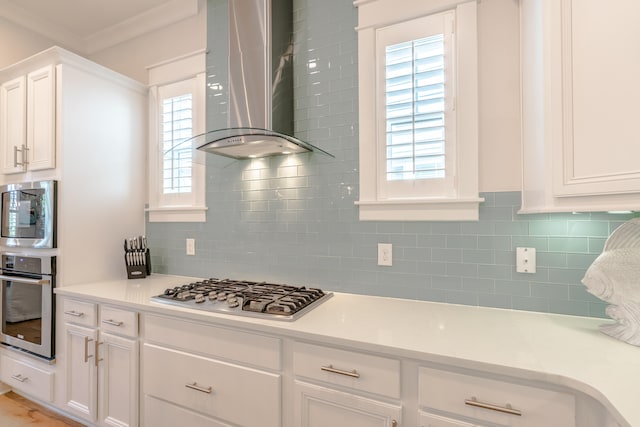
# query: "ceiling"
[91,25]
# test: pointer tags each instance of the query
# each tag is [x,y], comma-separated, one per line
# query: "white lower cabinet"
[432,420]
[102,364]
[198,373]
[27,377]
[353,389]
[317,406]
[475,400]
[160,413]
[201,375]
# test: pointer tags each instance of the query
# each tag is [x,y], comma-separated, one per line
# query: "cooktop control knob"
[232,302]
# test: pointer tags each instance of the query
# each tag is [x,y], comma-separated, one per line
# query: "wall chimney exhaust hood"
[260,107]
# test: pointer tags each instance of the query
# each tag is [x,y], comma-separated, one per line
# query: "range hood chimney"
[260,75]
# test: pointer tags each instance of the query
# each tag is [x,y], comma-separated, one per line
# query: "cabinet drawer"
[118,321]
[158,413]
[351,369]
[235,394]
[431,420]
[80,312]
[238,346]
[27,378]
[484,399]
[321,406]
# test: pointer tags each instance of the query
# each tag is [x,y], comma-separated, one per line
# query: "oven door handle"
[24,280]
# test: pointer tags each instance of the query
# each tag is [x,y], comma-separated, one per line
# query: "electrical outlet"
[385,254]
[526,260]
[191,246]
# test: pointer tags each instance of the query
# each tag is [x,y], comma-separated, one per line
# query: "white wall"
[499,97]
[17,43]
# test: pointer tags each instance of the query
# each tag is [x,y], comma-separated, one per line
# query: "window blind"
[415,109]
[177,127]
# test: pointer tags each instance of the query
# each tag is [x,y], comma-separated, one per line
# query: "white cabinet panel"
[490,400]
[80,312]
[41,119]
[317,406]
[81,389]
[118,381]
[600,90]
[27,378]
[431,420]
[230,344]
[28,120]
[118,321]
[102,368]
[579,105]
[13,119]
[239,395]
[359,371]
[158,413]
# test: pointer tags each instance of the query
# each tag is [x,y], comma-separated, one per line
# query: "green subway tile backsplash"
[293,219]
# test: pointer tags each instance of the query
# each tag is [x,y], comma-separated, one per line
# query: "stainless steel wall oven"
[27,303]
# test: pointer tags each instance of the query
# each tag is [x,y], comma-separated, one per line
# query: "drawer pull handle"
[330,368]
[19,377]
[197,387]
[113,322]
[86,349]
[96,352]
[74,313]
[507,409]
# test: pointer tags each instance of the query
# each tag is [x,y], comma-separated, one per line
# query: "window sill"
[178,214]
[420,210]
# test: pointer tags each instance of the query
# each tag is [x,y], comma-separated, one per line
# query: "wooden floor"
[16,411]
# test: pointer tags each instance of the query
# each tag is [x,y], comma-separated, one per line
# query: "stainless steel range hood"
[260,108]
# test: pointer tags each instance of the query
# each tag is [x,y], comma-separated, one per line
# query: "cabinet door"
[430,420]
[81,387]
[118,381]
[317,406]
[238,395]
[13,126]
[160,413]
[600,90]
[41,118]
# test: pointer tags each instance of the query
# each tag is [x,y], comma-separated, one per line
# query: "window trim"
[463,205]
[185,68]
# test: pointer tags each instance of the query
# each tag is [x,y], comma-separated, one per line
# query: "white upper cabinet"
[580,62]
[27,121]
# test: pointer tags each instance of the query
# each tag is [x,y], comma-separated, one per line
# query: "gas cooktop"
[245,298]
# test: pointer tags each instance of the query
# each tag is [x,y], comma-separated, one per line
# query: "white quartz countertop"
[560,349]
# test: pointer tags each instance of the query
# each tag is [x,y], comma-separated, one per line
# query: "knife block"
[138,264]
